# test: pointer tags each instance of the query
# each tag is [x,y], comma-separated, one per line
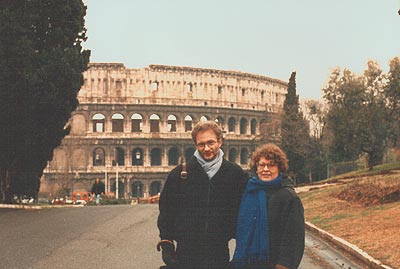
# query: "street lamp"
[116,159]
[116,182]
[137,157]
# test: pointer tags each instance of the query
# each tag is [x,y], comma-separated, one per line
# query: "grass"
[340,216]
[369,222]
[321,222]
[379,169]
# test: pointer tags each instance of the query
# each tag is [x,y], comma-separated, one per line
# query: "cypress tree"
[294,132]
[41,65]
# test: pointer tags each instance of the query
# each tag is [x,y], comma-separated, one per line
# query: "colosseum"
[132,126]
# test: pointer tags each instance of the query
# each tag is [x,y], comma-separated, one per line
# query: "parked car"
[68,200]
[153,199]
[27,200]
[58,201]
[43,201]
[80,197]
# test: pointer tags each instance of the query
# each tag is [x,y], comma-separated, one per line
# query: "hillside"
[362,209]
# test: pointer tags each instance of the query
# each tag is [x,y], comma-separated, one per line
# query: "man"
[199,211]
[98,189]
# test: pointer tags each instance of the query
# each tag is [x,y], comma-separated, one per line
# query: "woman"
[270,229]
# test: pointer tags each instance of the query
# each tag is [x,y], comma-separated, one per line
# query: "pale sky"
[264,37]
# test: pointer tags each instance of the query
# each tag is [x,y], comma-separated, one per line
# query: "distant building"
[135,124]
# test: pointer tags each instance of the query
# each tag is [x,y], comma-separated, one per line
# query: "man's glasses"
[209,143]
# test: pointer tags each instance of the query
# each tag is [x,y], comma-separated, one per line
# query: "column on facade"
[180,124]
[164,156]
[146,123]
[128,187]
[126,156]
[146,157]
[237,125]
[108,156]
[108,124]
[127,124]
[145,188]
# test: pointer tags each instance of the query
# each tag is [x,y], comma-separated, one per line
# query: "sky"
[265,37]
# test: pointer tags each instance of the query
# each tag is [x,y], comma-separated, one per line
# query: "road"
[118,236]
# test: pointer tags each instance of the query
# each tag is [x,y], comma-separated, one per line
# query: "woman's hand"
[278,266]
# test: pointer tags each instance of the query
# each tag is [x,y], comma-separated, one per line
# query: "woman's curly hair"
[271,152]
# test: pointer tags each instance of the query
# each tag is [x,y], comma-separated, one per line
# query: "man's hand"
[278,266]
[168,253]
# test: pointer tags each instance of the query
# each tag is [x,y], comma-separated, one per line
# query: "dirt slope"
[364,211]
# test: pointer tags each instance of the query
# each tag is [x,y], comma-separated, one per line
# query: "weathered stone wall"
[142,120]
[159,84]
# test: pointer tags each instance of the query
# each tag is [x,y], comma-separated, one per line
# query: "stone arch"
[121,187]
[117,122]
[98,121]
[99,157]
[220,121]
[136,123]
[204,118]
[232,155]
[243,126]
[154,123]
[173,156]
[137,156]
[119,156]
[137,189]
[188,123]
[253,126]
[171,123]
[244,156]
[231,125]
[155,188]
[155,157]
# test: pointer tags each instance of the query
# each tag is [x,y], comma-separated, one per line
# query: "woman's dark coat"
[286,225]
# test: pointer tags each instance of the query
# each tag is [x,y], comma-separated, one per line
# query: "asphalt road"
[122,236]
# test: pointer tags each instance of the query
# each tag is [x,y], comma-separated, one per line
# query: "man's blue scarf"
[252,236]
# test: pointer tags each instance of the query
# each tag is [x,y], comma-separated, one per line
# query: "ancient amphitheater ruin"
[133,126]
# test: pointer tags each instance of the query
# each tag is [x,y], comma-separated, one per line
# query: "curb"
[32,207]
[346,246]
[36,207]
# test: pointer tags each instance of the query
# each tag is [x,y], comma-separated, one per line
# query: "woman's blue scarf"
[252,236]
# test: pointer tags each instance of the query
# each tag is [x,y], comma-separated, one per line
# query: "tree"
[294,132]
[357,120]
[316,157]
[392,94]
[41,65]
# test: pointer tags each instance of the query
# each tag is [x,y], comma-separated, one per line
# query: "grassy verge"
[379,169]
[364,211]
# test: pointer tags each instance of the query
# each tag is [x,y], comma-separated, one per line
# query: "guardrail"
[349,248]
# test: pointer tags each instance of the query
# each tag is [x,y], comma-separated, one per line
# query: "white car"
[80,202]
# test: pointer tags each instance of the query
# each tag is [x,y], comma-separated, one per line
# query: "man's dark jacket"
[286,225]
[201,213]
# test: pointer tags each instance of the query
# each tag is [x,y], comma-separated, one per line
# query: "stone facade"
[135,125]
